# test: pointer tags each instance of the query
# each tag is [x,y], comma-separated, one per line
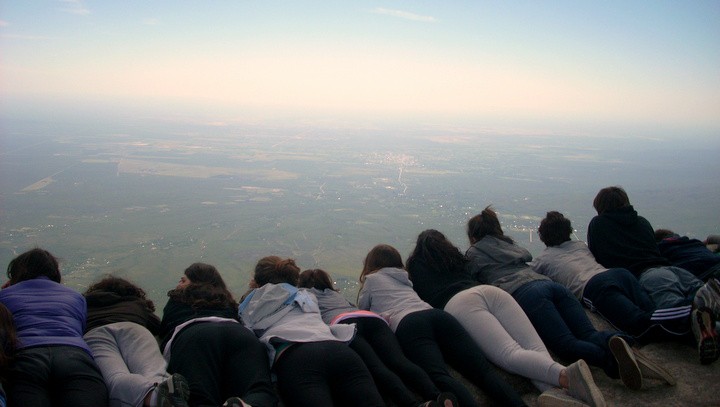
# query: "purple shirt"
[46,313]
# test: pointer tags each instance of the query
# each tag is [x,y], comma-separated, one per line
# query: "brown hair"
[207,289]
[204,273]
[32,264]
[316,278]
[275,270]
[486,223]
[555,229]
[379,257]
[610,198]
[121,287]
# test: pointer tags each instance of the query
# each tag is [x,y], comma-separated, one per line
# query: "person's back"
[46,313]
[570,264]
[49,319]
[500,263]
[438,288]
[690,254]
[621,238]
[388,292]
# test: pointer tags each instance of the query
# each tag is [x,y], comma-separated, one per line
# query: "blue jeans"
[562,324]
[617,295]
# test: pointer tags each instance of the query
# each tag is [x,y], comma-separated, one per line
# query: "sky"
[608,64]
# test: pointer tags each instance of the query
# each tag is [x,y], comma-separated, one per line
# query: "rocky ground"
[697,385]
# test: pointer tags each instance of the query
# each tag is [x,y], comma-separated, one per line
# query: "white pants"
[129,358]
[505,334]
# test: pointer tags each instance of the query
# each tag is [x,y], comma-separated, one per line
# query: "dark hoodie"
[106,307]
[621,238]
[690,254]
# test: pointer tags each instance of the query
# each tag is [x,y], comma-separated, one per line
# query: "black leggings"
[58,376]
[378,347]
[222,360]
[432,337]
[326,373]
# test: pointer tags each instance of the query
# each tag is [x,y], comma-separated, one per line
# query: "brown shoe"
[627,365]
[652,370]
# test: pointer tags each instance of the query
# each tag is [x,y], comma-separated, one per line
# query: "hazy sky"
[652,63]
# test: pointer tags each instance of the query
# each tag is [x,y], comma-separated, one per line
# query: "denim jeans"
[618,296]
[561,322]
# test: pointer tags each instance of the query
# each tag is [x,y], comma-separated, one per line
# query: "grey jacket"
[280,314]
[502,264]
[389,293]
[331,303]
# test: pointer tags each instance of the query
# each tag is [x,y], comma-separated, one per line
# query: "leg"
[130,361]
[76,379]
[468,359]
[385,344]
[417,339]
[559,330]
[221,360]
[245,366]
[29,378]
[618,296]
[504,333]
[387,382]
[350,381]
[308,374]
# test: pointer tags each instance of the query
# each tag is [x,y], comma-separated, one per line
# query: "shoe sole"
[627,365]
[706,336]
[661,372]
[596,397]
[556,400]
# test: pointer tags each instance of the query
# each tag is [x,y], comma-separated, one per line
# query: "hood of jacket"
[624,216]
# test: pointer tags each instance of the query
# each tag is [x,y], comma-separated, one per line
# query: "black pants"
[432,338]
[56,376]
[325,374]
[222,360]
[378,347]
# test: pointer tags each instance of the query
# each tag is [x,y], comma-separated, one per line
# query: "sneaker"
[235,402]
[627,365]
[581,385]
[558,398]
[703,327]
[708,296]
[652,370]
[173,392]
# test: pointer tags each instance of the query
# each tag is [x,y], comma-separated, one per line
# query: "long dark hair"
[207,289]
[486,223]
[316,278]
[433,248]
[8,342]
[121,287]
[32,264]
